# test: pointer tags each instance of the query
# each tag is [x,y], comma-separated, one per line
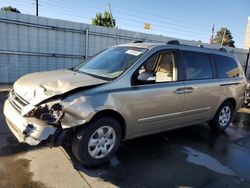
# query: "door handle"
[184,90]
[189,90]
[180,91]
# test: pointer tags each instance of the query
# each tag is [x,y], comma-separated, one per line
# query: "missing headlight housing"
[50,114]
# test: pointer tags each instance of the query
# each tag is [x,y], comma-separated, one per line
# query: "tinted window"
[226,67]
[198,66]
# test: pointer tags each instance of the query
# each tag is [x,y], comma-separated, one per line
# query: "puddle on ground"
[242,119]
[207,161]
[14,171]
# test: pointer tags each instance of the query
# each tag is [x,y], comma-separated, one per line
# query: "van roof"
[148,45]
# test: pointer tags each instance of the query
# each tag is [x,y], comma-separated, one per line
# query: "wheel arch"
[113,114]
[214,122]
[231,100]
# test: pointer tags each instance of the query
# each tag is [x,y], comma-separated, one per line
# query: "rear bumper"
[27,130]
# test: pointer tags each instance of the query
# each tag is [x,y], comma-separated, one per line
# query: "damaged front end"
[31,124]
[49,113]
[35,110]
[52,114]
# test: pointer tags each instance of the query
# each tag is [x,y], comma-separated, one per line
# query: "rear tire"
[223,117]
[97,142]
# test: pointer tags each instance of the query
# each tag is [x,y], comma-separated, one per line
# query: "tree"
[228,38]
[103,19]
[10,9]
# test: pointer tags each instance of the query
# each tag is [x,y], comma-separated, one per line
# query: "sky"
[184,19]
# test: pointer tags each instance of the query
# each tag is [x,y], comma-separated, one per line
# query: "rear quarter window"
[226,67]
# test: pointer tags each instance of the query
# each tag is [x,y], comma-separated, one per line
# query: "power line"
[163,20]
[177,26]
[136,20]
[144,13]
[165,26]
[44,7]
[125,12]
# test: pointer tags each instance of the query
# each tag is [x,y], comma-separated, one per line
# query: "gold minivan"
[124,92]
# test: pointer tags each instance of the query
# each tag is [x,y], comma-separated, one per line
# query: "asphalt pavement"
[188,157]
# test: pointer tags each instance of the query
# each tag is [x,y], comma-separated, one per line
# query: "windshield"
[111,63]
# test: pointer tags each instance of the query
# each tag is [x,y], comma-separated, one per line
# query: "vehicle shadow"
[10,146]
[161,160]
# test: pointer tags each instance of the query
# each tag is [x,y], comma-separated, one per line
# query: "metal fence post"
[246,66]
[86,43]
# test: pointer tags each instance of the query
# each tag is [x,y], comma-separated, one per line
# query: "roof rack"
[176,42]
[223,50]
[138,41]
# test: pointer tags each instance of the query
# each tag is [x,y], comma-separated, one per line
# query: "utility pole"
[225,30]
[36,7]
[112,22]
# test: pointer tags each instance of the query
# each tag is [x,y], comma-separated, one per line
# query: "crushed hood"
[37,87]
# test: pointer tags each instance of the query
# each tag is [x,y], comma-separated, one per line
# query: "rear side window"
[226,67]
[198,66]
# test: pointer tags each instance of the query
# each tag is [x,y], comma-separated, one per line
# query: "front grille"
[17,101]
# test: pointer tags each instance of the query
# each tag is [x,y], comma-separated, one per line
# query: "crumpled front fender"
[77,112]
[80,110]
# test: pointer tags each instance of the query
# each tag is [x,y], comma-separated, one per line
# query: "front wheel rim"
[101,142]
[225,116]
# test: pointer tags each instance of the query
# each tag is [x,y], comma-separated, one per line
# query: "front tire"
[223,117]
[97,142]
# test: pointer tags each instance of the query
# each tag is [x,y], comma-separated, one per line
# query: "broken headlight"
[50,114]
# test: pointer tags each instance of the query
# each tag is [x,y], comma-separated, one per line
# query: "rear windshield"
[226,67]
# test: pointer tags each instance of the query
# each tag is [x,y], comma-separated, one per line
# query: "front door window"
[160,67]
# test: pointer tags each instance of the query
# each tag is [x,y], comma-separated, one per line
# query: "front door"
[154,100]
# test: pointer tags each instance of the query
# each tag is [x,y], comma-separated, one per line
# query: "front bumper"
[27,130]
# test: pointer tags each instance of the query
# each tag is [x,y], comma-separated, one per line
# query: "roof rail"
[138,41]
[176,42]
[223,50]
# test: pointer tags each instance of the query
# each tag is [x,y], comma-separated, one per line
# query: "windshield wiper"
[93,75]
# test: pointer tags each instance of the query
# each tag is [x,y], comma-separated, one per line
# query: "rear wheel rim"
[225,116]
[101,142]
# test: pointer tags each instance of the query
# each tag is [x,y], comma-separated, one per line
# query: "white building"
[247,35]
